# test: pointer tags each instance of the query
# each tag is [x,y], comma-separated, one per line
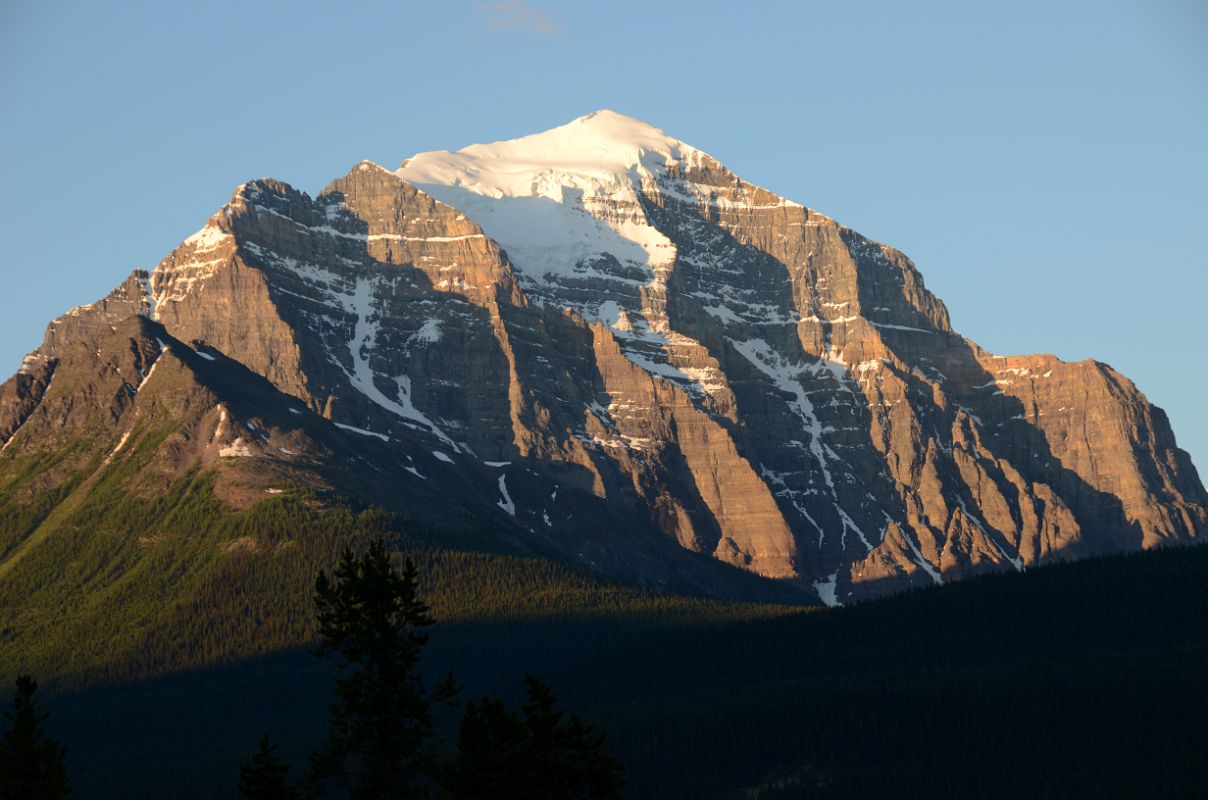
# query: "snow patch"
[505,501]
[787,378]
[147,377]
[362,431]
[919,559]
[827,589]
[236,449]
[886,325]
[971,415]
[428,332]
[723,313]
[552,199]
[208,238]
[1016,561]
[152,303]
[220,429]
[364,338]
[28,363]
[118,447]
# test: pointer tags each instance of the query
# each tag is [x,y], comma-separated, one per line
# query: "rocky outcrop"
[605,343]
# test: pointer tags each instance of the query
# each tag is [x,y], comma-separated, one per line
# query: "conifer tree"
[265,777]
[32,766]
[537,755]
[380,741]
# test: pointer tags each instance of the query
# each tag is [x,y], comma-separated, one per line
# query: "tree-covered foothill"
[179,615]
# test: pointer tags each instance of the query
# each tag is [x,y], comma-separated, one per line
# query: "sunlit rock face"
[609,344]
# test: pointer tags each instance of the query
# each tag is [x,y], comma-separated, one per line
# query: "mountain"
[598,343]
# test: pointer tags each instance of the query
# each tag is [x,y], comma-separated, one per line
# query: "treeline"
[1080,680]
[106,599]
[381,741]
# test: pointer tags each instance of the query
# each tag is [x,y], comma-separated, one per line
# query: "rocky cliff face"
[609,344]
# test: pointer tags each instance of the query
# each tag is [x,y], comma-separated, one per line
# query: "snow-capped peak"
[561,199]
[599,146]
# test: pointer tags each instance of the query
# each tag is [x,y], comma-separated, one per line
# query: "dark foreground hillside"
[1082,680]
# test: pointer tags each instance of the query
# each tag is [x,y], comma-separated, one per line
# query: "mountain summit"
[603,144]
[596,340]
[564,198]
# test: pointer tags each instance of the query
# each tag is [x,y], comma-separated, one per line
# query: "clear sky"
[1044,164]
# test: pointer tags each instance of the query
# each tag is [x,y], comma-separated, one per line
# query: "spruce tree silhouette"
[32,766]
[265,777]
[536,755]
[380,743]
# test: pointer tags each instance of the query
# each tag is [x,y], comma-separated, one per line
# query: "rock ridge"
[623,351]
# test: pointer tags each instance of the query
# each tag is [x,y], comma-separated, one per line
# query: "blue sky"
[1044,164]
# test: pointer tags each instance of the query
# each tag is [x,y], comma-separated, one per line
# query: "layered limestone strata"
[612,340]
